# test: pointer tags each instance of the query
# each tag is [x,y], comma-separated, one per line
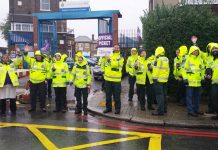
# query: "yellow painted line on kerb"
[4,126]
[154,144]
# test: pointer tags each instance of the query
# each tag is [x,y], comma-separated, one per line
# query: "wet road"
[39,131]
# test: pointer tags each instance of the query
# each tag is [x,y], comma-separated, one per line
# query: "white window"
[86,45]
[24,27]
[195,2]
[47,28]
[45,5]
[19,3]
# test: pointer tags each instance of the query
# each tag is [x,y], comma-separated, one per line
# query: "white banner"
[105,51]
[74,4]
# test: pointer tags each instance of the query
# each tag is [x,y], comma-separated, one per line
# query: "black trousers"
[181,92]
[208,88]
[60,98]
[161,96]
[113,88]
[13,107]
[141,94]
[132,80]
[81,98]
[150,91]
[49,87]
[214,93]
[103,84]
[38,90]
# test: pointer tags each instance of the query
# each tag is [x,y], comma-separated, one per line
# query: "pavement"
[130,112]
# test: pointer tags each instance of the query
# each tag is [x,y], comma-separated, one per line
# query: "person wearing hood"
[48,59]
[8,83]
[208,71]
[193,75]
[81,76]
[161,71]
[214,78]
[179,62]
[131,71]
[39,73]
[60,77]
[112,76]
[142,70]
[79,54]
[64,58]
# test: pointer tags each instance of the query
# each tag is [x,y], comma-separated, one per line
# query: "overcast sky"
[131,11]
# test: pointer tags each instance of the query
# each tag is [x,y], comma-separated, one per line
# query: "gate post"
[35,33]
[115,29]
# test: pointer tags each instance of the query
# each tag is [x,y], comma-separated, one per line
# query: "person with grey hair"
[8,83]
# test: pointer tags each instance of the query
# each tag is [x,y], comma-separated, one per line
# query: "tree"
[5,26]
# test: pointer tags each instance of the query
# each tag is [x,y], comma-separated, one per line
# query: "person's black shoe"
[107,111]
[143,108]
[130,100]
[85,113]
[13,113]
[43,110]
[151,108]
[193,114]
[64,110]
[157,114]
[165,111]
[199,113]
[56,110]
[117,112]
[210,112]
[32,110]
[214,117]
[78,112]
[3,114]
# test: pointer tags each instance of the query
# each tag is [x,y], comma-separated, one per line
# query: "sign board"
[105,44]
[105,51]
[105,40]
[76,5]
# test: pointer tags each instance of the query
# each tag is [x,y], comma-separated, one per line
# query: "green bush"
[172,27]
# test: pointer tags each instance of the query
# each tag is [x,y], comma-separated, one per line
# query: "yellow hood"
[192,49]
[159,51]
[183,50]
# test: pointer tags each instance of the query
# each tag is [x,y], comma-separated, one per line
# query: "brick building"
[20,15]
[87,45]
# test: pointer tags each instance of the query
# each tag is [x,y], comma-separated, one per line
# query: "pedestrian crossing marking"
[154,143]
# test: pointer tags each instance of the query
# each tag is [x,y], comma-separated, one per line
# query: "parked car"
[97,72]
[91,63]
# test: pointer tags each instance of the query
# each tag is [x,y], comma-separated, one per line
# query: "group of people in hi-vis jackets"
[195,70]
[43,72]
[192,70]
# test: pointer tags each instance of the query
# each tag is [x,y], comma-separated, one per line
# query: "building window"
[24,27]
[47,28]
[86,45]
[45,5]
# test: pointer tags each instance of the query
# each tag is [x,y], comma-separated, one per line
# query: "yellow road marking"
[4,126]
[102,143]
[43,139]
[154,144]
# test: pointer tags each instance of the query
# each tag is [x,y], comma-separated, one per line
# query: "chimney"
[93,37]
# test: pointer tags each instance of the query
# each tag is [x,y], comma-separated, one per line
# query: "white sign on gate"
[75,5]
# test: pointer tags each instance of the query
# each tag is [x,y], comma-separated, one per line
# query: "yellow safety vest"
[39,71]
[214,67]
[113,68]
[81,75]
[61,74]
[161,69]
[11,69]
